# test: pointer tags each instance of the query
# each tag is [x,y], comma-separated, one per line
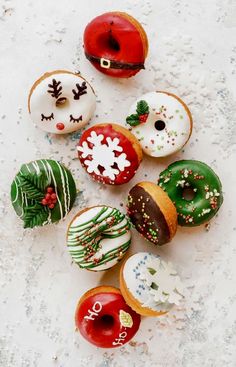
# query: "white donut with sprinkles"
[161,122]
[61,102]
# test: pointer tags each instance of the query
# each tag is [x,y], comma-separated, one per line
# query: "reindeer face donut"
[116,44]
[61,102]
[109,153]
[161,122]
[104,319]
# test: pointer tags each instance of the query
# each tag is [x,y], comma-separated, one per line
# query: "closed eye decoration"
[47,118]
[76,119]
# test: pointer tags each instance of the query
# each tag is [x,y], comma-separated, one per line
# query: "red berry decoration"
[143,118]
[50,198]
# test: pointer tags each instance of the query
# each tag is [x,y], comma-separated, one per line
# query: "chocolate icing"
[147,217]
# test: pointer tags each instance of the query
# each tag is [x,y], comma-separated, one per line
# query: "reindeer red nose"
[60,126]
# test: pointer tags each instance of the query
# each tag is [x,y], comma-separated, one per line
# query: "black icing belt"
[111,64]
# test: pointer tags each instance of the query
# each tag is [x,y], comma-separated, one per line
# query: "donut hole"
[113,43]
[62,102]
[109,42]
[160,125]
[188,193]
[105,322]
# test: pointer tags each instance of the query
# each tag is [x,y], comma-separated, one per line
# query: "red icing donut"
[116,44]
[104,319]
[109,153]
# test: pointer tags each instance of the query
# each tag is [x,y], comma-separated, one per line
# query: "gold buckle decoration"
[104,63]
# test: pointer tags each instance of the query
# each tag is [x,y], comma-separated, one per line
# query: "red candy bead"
[104,319]
[143,118]
[48,197]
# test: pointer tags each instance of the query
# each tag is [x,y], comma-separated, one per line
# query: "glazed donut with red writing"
[104,319]
[109,153]
[116,44]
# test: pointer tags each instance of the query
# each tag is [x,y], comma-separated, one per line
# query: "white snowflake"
[164,282]
[103,155]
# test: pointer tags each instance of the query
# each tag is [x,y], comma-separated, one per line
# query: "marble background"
[193,54]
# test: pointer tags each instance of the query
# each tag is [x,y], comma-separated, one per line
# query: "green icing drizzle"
[29,187]
[86,239]
[205,184]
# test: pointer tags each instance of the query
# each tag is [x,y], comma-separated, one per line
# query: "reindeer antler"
[56,88]
[81,90]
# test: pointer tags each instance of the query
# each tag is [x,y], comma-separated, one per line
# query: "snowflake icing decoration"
[103,155]
[163,282]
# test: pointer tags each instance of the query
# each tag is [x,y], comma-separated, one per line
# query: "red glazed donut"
[109,153]
[104,319]
[116,44]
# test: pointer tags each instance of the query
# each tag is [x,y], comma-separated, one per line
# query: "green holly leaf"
[142,107]
[33,185]
[35,215]
[133,120]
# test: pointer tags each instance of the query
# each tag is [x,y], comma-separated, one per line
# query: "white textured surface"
[193,54]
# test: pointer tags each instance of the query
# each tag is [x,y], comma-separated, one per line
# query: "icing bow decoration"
[141,115]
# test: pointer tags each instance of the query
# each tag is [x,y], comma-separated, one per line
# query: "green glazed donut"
[42,192]
[204,184]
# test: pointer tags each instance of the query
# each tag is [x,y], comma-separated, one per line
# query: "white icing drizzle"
[43,103]
[166,108]
[94,243]
[152,281]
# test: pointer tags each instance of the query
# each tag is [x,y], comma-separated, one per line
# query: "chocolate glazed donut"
[152,213]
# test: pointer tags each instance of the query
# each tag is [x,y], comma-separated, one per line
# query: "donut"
[104,319]
[161,122]
[149,285]
[61,102]
[195,190]
[152,213]
[42,192]
[98,237]
[116,44]
[109,153]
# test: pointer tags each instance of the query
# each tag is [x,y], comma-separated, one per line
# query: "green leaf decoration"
[154,286]
[125,319]
[142,107]
[35,215]
[133,120]
[33,185]
[151,271]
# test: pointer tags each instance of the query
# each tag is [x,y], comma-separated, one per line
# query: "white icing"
[42,102]
[104,155]
[177,125]
[168,289]
[105,245]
